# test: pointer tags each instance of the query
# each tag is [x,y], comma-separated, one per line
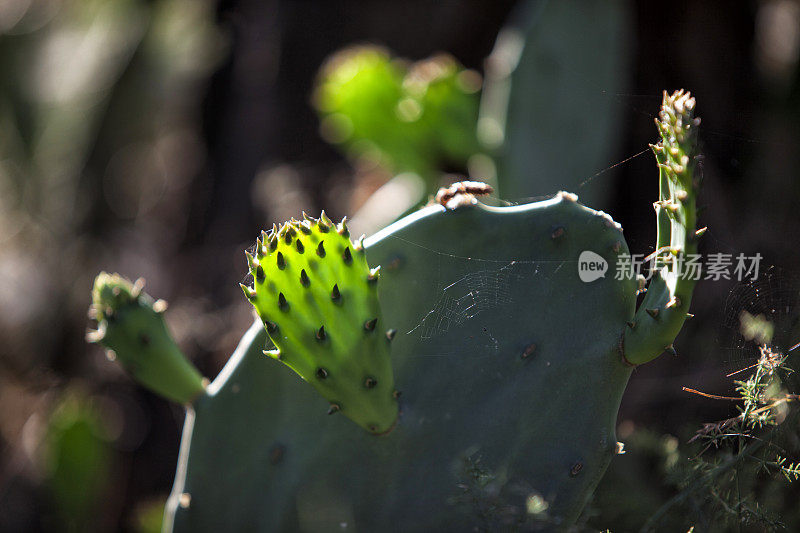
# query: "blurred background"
[156,138]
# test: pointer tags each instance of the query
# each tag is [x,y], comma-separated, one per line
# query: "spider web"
[774,295]
[469,296]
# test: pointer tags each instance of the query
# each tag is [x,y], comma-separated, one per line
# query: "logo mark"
[591,266]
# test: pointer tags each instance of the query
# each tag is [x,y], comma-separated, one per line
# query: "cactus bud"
[139,340]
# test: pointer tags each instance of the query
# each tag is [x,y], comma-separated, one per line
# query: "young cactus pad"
[665,306]
[318,299]
[131,326]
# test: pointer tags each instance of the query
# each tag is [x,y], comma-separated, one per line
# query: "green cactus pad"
[318,299]
[666,304]
[511,376]
[550,127]
[131,326]
[411,118]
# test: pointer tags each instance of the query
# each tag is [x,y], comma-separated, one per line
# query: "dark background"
[155,172]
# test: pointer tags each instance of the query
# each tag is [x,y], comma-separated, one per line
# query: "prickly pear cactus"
[512,367]
[318,300]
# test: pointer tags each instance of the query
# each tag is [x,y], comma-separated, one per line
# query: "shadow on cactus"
[512,368]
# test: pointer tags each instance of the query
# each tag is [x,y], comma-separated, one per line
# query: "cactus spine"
[318,299]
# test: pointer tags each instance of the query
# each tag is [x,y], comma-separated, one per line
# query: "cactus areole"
[512,364]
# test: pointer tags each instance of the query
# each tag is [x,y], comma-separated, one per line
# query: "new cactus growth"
[318,299]
[512,366]
[419,118]
[666,304]
[130,325]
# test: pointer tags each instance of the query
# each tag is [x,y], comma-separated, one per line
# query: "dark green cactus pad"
[544,96]
[318,300]
[511,374]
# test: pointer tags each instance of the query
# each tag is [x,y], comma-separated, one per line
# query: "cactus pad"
[131,326]
[318,299]
[511,377]
[666,304]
